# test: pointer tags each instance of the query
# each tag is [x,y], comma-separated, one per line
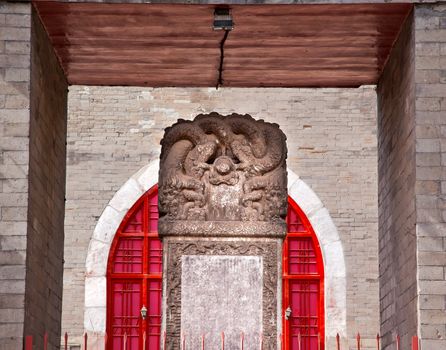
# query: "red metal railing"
[29,342]
[415,342]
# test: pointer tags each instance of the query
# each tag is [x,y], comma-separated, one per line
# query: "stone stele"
[222,204]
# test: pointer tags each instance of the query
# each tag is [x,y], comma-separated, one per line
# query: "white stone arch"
[108,223]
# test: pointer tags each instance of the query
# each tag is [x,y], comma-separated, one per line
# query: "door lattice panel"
[134,279]
[126,298]
[303,285]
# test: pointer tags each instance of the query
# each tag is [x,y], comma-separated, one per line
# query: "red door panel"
[302,285]
[128,256]
[155,254]
[301,256]
[134,279]
[154,314]
[304,319]
[125,321]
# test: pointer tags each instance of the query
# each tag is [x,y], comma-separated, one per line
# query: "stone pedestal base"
[229,285]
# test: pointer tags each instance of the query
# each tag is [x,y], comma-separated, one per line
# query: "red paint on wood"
[302,284]
[134,278]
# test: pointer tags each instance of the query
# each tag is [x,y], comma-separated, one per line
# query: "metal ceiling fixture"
[223,19]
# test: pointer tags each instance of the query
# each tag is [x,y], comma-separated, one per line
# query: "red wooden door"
[134,279]
[303,277]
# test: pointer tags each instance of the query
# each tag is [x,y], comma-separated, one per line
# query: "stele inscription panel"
[221,294]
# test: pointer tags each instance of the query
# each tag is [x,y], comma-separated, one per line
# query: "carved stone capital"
[223,168]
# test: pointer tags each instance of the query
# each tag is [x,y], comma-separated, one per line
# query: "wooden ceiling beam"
[174,45]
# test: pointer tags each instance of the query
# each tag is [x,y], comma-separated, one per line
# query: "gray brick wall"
[396,193]
[412,191]
[430,186]
[46,208]
[113,132]
[15,34]
[32,180]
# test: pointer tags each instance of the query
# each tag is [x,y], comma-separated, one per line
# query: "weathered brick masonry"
[15,37]
[46,204]
[32,180]
[412,182]
[397,217]
[113,132]
[430,159]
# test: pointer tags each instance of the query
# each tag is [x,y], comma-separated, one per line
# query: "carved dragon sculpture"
[214,150]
